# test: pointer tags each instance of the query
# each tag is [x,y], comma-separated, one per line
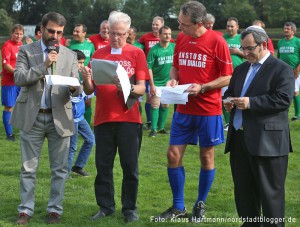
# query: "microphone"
[53,44]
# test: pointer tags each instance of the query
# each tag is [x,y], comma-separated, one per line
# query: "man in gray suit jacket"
[258,137]
[44,111]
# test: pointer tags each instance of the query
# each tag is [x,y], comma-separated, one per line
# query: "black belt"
[45,111]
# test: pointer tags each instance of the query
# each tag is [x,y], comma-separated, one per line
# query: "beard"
[46,41]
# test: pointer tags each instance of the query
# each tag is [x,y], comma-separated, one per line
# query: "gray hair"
[195,10]
[259,34]
[210,17]
[103,22]
[159,18]
[292,25]
[119,17]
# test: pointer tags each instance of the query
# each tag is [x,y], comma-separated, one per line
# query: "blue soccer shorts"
[9,95]
[207,131]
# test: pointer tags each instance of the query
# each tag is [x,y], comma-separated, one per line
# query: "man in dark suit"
[43,112]
[259,96]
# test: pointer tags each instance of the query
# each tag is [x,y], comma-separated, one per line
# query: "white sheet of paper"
[173,95]
[124,81]
[173,98]
[103,72]
[229,99]
[62,80]
[178,89]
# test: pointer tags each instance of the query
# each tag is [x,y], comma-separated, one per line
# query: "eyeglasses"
[52,31]
[249,48]
[184,25]
[117,34]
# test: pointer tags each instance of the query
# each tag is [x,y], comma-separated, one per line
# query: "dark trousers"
[258,183]
[125,138]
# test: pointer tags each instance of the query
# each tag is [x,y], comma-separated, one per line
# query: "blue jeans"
[84,129]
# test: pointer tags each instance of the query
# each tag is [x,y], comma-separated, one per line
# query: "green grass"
[154,191]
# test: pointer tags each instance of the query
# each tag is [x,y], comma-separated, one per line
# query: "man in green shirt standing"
[234,43]
[289,52]
[160,59]
[79,42]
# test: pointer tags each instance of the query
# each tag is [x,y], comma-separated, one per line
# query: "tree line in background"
[91,12]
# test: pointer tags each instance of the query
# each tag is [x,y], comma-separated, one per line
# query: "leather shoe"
[100,214]
[131,217]
[23,219]
[53,218]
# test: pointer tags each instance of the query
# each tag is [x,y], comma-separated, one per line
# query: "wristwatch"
[202,89]
[132,88]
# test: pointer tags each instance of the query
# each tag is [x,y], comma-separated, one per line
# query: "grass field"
[154,192]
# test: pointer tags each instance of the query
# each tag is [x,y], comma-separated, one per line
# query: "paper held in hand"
[62,80]
[176,95]
[103,72]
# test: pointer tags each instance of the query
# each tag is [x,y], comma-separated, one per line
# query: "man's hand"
[152,90]
[241,103]
[52,57]
[86,74]
[117,83]
[194,89]
[228,105]
[172,83]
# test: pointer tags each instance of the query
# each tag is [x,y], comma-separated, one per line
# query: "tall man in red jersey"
[202,59]
[10,91]
[118,127]
[101,39]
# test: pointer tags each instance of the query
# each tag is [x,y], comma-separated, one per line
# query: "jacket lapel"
[261,73]
[59,63]
[38,52]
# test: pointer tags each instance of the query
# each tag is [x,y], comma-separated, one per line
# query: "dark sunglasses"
[52,31]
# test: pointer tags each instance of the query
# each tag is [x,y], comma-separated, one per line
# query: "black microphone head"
[53,45]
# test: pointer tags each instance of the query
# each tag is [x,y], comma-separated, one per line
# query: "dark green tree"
[241,9]
[6,23]
[140,14]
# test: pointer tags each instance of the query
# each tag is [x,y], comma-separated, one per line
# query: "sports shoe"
[226,127]
[153,133]
[80,171]
[172,213]
[198,213]
[11,138]
[162,131]
[295,118]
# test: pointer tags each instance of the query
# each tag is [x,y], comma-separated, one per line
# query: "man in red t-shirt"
[202,59]
[10,91]
[117,126]
[102,39]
